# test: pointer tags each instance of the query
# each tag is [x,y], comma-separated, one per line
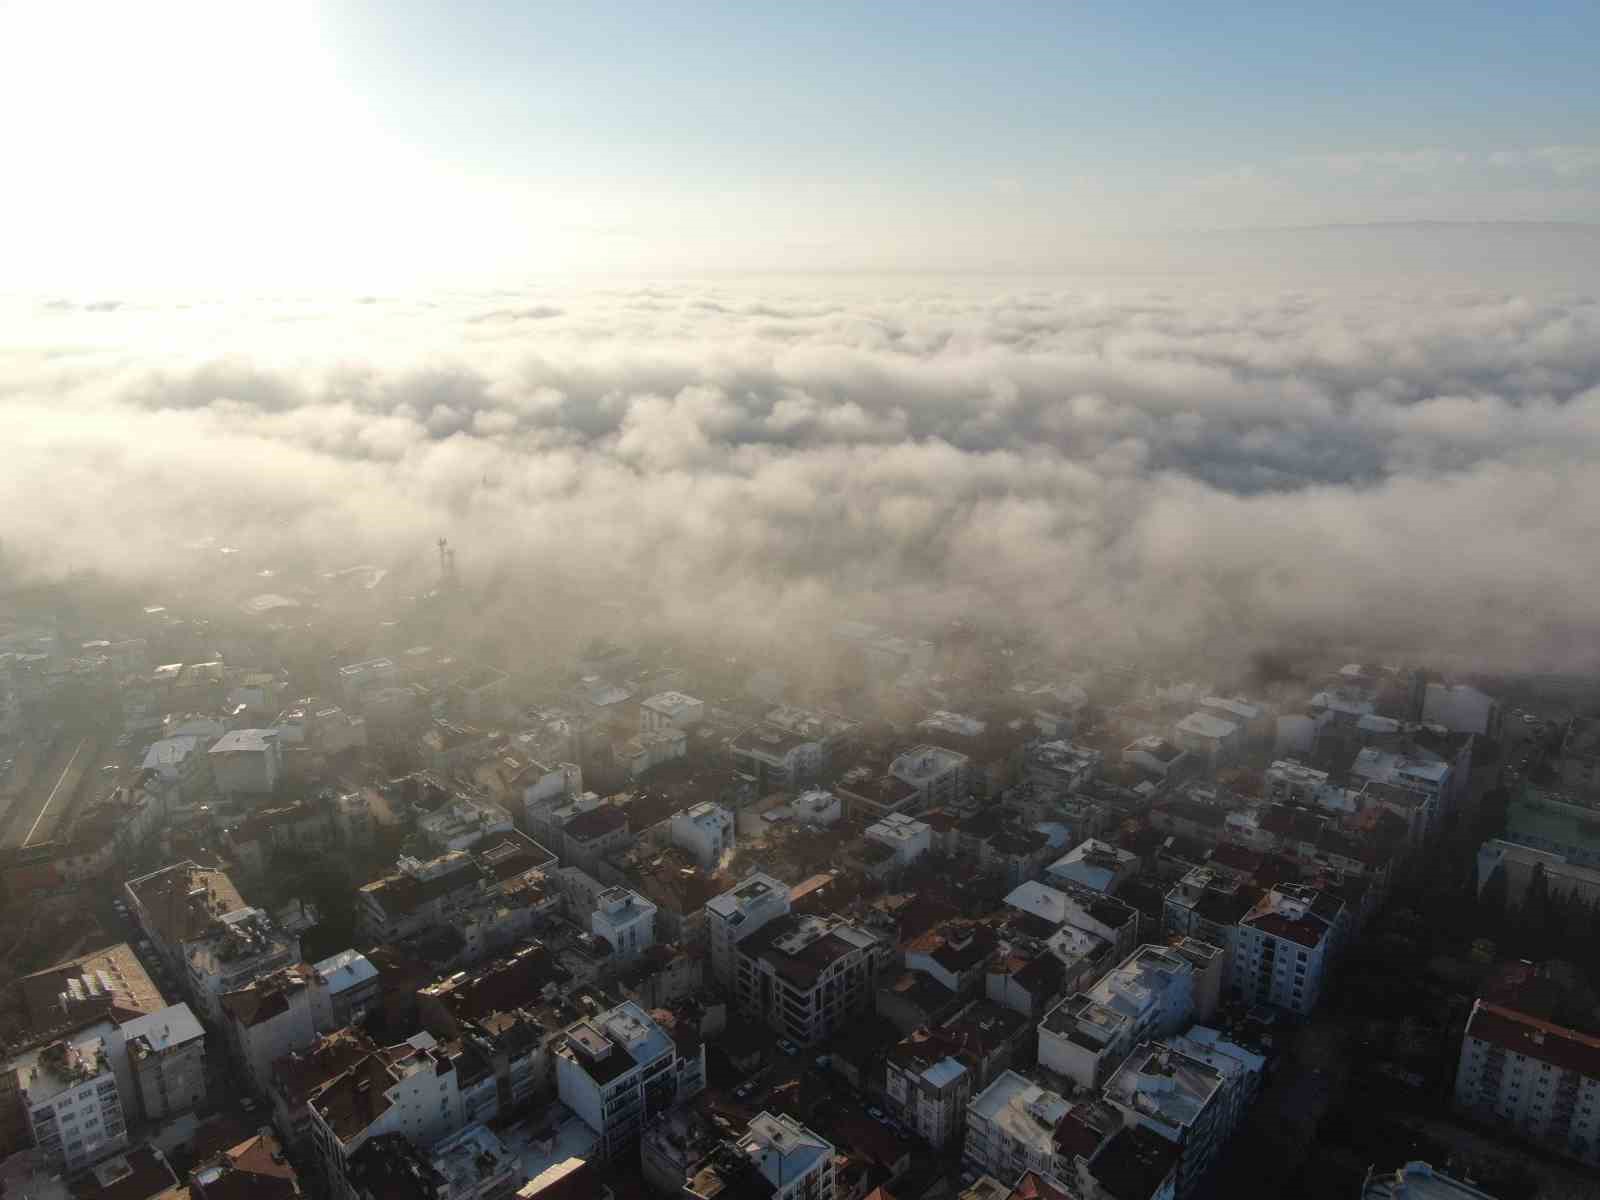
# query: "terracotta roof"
[1547,1042]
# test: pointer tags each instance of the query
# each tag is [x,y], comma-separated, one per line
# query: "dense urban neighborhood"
[328,894]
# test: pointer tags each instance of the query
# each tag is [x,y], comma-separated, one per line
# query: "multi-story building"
[1284,946]
[356,679]
[1207,904]
[738,913]
[1011,1128]
[773,759]
[345,986]
[795,1162]
[1149,995]
[940,776]
[1095,865]
[1241,1068]
[167,1062]
[1208,737]
[619,1069]
[415,896]
[705,830]
[1060,765]
[463,823]
[110,982]
[870,795]
[594,834]
[1532,1077]
[1179,1098]
[625,921]
[246,761]
[410,1089]
[1579,760]
[237,948]
[670,710]
[268,1018]
[181,767]
[928,1087]
[807,976]
[475,1165]
[1153,754]
[906,837]
[69,1095]
[180,903]
[297,1076]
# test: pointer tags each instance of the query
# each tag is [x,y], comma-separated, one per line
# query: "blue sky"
[386,137]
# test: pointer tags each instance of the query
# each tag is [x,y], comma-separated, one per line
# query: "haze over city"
[818,602]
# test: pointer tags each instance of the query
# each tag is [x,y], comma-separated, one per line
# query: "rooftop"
[159,1031]
[1207,725]
[755,890]
[1417,1181]
[107,982]
[1164,1085]
[781,1148]
[245,741]
[800,948]
[923,764]
[1027,1112]
[1535,1038]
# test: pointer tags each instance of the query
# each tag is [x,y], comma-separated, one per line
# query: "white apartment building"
[415,896]
[345,986]
[246,761]
[1242,1070]
[705,830]
[1083,1040]
[625,920]
[166,1062]
[1210,738]
[1148,996]
[928,1089]
[463,823]
[1424,775]
[356,679]
[1095,865]
[670,710]
[181,766]
[807,977]
[738,913]
[1461,709]
[815,806]
[1417,1181]
[410,1089]
[237,948]
[796,1163]
[619,1070]
[1179,1098]
[940,776]
[1284,946]
[1534,1078]
[638,754]
[774,759]
[270,1017]
[1153,754]
[1102,916]
[1011,1127]
[906,837]
[475,1165]
[69,1094]
[1290,780]
[1061,765]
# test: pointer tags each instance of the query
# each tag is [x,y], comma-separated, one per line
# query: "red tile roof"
[1522,1034]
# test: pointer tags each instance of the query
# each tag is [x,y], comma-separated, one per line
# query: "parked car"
[788,1047]
[874,1112]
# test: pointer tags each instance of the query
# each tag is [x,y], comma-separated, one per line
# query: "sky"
[1163,330]
[402,143]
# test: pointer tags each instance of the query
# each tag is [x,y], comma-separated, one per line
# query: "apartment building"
[415,895]
[69,1096]
[1095,865]
[1207,904]
[806,976]
[177,904]
[705,830]
[297,1076]
[345,986]
[774,759]
[1151,994]
[928,1087]
[410,1089]
[940,776]
[625,921]
[268,1018]
[1533,1078]
[1179,1098]
[167,1062]
[1284,947]
[1011,1128]
[236,949]
[619,1070]
[738,913]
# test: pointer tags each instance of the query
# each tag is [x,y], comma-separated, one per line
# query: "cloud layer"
[1164,472]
